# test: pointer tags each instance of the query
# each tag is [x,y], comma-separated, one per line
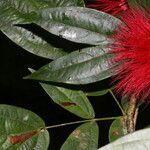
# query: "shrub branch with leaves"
[114,45]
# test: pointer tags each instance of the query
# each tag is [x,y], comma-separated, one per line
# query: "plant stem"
[123,112]
[82,121]
[132,114]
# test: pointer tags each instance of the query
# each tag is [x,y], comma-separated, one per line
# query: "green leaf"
[85,137]
[18,11]
[71,100]
[139,140]
[21,129]
[79,67]
[99,93]
[78,24]
[23,12]
[74,101]
[116,130]
[33,43]
[82,25]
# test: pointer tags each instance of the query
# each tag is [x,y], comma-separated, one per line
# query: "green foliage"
[20,128]
[25,12]
[116,129]
[80,67]
[85,137]
[78,24]
[71,100]
[99,93]
[33,25]
[72,23]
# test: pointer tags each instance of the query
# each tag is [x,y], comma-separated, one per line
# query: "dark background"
[14,62]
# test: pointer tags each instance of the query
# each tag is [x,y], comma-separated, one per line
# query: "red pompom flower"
[132,50]
[112,7]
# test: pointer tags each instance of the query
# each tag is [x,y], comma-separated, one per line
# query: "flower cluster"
[131,47]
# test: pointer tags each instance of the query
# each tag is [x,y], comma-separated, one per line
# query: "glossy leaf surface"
[14,12]
[85,137]
[79,67]
[21,129]
[116,130]
[71,100]
[78,24]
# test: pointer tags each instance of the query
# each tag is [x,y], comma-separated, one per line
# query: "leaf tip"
[26,77]
[31,70]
